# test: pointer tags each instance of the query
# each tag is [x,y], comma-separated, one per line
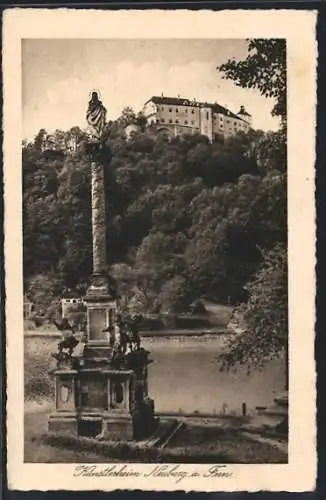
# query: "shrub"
[38,321]
[38,364]
[198,307]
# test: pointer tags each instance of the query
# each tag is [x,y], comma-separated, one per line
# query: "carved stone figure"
[96,116]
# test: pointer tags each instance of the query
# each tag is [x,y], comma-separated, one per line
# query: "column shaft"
[98,218]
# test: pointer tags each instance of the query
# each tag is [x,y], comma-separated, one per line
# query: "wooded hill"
[186,218]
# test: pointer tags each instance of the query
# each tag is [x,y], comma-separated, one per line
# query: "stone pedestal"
[103,401]
[63,423]
[101,315]
[64,420]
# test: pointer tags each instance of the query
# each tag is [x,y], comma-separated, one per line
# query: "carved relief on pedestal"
[118,394]
[65,391]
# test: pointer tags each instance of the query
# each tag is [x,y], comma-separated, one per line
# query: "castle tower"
[244,115]
[206,122]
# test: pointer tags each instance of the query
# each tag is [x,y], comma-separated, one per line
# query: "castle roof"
[173,101]
[181,101]
[217,108]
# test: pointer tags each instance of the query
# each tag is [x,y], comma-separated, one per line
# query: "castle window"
[192,122]
[186,122]
[157,121]
[162,120]
[170,110]
[177,111]
[193,111]
[227,121]
[186,111]
[177,121]
[170,121]
[162,109]
[207,115]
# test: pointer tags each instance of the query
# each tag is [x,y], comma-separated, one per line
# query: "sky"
[58,75]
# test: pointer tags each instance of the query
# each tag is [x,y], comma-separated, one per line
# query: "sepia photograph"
[155,252]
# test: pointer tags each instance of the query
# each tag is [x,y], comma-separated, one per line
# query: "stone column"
[98,300]
[98,218]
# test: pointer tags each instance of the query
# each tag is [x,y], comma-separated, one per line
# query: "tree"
[73,138]
[265,335]
[269,152]
[128,116]
[264,219]
[141,120]
[175,295]
[263,69]
[41,290]
[40,139]
[185,217]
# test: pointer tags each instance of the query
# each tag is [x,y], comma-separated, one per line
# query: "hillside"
[186,219]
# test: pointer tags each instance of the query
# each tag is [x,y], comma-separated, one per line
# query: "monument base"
[101,427]
[103,400]
[117,428]
[60,423]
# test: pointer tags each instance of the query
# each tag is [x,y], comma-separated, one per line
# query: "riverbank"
[168,333]
[214,321]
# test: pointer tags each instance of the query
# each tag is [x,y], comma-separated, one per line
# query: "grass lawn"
[37,450]
[228,443]
[194,444]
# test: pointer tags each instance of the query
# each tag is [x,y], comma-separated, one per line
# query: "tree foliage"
[265,315]
[186,219]
[264,69]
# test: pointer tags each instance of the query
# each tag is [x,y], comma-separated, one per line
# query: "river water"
[186,376]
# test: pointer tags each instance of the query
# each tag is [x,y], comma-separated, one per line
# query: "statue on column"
[96,147]
[96,117]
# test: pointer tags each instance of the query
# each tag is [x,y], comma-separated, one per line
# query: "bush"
[77,318]
[38,365]
[151,323]
[38,321]
[197,307]
[38,387]
[52,311]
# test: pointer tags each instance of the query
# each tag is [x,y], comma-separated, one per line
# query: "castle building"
[176,116]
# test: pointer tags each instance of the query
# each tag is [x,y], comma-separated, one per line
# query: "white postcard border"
[298,27]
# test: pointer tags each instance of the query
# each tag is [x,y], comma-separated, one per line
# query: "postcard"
[160,249]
